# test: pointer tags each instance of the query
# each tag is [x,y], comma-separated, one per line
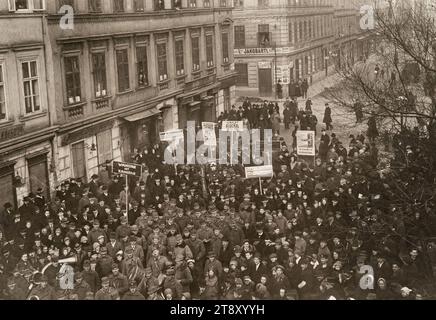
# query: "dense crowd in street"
[316,230]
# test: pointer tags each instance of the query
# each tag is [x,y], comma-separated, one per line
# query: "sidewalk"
[318,87]
[315,89]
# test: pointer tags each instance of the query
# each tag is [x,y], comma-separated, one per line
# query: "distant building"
[289,40]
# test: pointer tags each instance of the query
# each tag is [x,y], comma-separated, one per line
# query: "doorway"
[265,82]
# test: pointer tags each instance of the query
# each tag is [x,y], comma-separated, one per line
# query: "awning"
[142,115]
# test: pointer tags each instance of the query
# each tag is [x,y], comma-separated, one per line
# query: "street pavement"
[344,120]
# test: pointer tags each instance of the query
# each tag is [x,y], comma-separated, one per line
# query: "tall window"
[225,46]
[290,32]
[296,39]
[192,3]
[142,66]
[72,79]
[301,30]
[206,3]
[99,73]
[2,95]
[180,60]
[118,5]
[239,36]
[226,99]
[195,47]
[35,5]
[66,3]
[209,50]
[31,86]
[138,5]
[262,3]
[94,6]
[162,61]
[242,70]
[123,69]
[263,35]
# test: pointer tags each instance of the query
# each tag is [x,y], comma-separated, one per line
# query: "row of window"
[310,64]
[120,6]
[122,58]
[298,31]
[30,82]
[293,3]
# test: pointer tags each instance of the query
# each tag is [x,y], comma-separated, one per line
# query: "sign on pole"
[209,136]
[259,172]
[130,169]
[305,143]
[171,135]
[233,126]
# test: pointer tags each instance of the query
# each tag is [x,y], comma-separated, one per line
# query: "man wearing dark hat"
[90,276]
[42,290]
[257,269]
[94,186]
[118,281]
[133,293]
[106,292]
[123,229]
[170,282]
[213,264]
[96,232]
[81,287]
[113,246]
[306,281]
[104,263]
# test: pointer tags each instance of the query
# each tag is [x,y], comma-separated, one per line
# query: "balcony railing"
[101,104]
[74,112]
[11,132]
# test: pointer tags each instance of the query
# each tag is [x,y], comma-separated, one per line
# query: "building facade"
[78,92]
[27,124]
[288,40]
[131,69]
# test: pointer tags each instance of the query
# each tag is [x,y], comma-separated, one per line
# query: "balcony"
[11,132]
[74,112]
[101,104]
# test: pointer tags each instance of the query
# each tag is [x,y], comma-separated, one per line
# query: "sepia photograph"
[233,151]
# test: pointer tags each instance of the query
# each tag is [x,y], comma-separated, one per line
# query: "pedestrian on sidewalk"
[358,109]
[304,88]
[309,105]
[328,117]
[287,116]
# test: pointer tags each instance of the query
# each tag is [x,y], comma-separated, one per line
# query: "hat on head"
[105,280]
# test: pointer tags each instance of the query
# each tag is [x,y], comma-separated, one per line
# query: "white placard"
[209,136]
[305,143]
[259,172]
[233,126]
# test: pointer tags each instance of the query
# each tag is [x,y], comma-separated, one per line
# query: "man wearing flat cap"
[106,292]
[118,281]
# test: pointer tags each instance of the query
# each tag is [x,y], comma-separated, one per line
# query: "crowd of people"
[316,230]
